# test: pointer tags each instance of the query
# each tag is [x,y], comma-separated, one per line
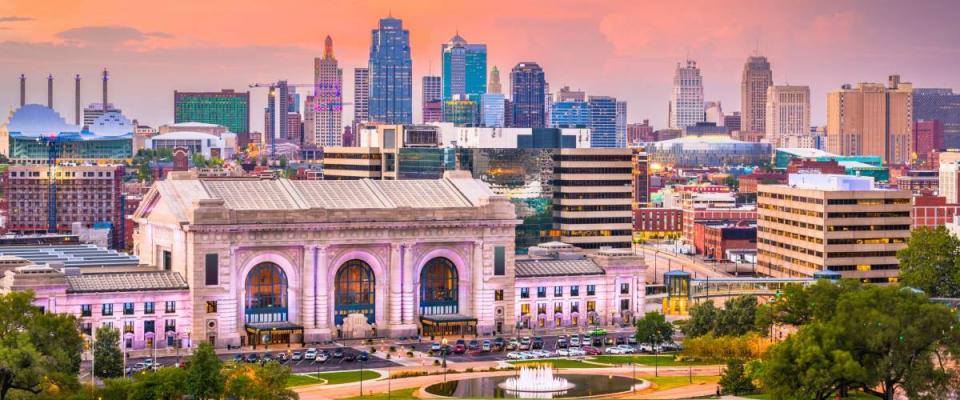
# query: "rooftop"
[125,282]
[806,152]
[79,255]
[552,267]
[831,182]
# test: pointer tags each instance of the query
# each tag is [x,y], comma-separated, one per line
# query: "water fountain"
[537,382]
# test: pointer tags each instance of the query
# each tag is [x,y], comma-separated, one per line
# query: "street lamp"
[443,355]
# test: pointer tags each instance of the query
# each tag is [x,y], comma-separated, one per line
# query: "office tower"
[565,94]
[327,99]
[281,100]
[95,110]
[732,121]
[432,103]
[492,110]
[927,139]
[788,113]
[528,84]
[949,182]
[464,68]
[508,113]
[639,133]
[391,74]
[871,119]
[686,100]
[621,123]
[942,105]
[310,122]
[361,95]
[547,102]
[590,212]
[641,179]
[839,223]
[603,121]
[461,111]
[713,112]
[226,107]
[494,85]
[757,77]
[570,113]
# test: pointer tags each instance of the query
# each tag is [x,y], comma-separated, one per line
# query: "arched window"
[354,291]
[439,288]
[266,297]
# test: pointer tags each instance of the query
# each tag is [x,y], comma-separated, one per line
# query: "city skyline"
[634,62]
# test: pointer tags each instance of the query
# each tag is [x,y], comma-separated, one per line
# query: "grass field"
[559,363]
[854,396]
[402,394]
[666,360]
[331,378]
[670,382]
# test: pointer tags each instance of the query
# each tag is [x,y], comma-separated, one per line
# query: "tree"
[272,382]
[702,318]
[39,352]
[163,384]
[654,329]
[204,379]
[115,389]
[735,379]
[107,357]
[736,318]
[930,262]
[811,364]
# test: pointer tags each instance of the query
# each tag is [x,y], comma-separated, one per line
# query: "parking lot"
[549,344]
[297,366]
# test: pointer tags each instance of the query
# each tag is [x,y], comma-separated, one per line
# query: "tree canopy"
[107,357]
[654,328]
[931,262]
[736,318]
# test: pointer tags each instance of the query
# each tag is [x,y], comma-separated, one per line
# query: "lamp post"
[361,375]
[443,355]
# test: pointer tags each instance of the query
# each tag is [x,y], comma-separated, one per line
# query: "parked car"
[364,356]
[499,344]
[297,356]
[537,342]
[632,340]
[236,358]
[338,353]
[645,348]
[611,341]
[473,345]
[621,340]
[486,346]
[252,358]
[282,358]
[525,343]
[670,347]
[575,341]
[562,343]
[460,347]
[435,346]
[614,350]
[149,363]
[542,353]
[311,354]
[576,352]
[514,344]
[626,349]
[597,341]
[591,351]
[563,353]
[322,357]
[514,355]
[267,357]
[349,357]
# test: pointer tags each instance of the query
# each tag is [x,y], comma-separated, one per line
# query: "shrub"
[393,349]
[373,349]
[436,363]
[410,354]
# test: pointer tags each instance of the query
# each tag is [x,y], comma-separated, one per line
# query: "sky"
[626,49]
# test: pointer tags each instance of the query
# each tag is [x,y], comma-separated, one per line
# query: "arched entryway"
[354,292]
[266,311]
[440,300]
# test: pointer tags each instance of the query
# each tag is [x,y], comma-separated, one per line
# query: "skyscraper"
[570,113]
[757,77]
[871,119]
[391,74]
[280,101]
[432,108]
[327,99]
[942,105]
[464,68]
[713,111]
[565,94]
[494,85]
[361,95]
[686,100]
[621,124]
[788,113]
[528,84]
[226,107]
[492,110]
[603,121]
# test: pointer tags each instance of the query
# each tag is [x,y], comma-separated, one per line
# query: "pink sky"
[626,49]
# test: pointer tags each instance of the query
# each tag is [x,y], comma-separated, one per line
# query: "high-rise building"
[788,113]
[871,119]
[281,100]
[391,74]
[927,139]
[226,107]
[361,95]
[639,133]
[942,105]
[327,99]
[95,110]
[592,197]
[570,113]
[528,84]
[732,121]
[566,94]
[839,223]
[603,121]
[464,68]
[494,86]
[508,113]
[621,124]
[432,99]
[461,111]
[949,182]
[310,122]
[713,112]
[757,77]
[686,100]
[492,110]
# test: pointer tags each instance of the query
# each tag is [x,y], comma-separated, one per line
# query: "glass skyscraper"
[228,108]
[528,84]
[569,113]
[464,69]
[391,74]
[603,121]
[492,110]
[942,105]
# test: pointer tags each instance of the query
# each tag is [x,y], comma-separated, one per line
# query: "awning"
[447,319]
[274,328]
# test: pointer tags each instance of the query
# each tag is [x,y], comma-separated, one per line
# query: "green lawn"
[670,382]
[665,360]
[402,394]
[331,378]
[854,396]
[559,363]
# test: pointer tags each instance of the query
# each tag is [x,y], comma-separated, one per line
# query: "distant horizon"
[619,49]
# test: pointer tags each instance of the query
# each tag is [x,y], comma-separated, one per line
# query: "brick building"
[927,139]
[748,183]
[800,165]
[932,211]
[713,239]
[656,223]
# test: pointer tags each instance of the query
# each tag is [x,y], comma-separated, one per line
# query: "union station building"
[273,261]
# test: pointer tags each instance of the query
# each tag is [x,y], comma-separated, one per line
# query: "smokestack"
[105,90]
[50,91]
[23,90]
[76,104]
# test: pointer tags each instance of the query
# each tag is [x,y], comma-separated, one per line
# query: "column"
[394,274]
[408,269]
[307,283]
[482,308]
[323,294]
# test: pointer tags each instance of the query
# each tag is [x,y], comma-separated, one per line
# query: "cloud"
[109,35]
[15,19]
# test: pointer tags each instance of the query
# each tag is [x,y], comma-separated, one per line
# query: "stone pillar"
[308,309]
[324,295]
[408,269]
[394,277]
[482,307]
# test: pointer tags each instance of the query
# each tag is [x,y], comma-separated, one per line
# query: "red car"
[459,348]
[591,351]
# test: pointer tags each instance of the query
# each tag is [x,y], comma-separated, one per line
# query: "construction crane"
[317,106]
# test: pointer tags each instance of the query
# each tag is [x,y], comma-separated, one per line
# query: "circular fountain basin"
[490,387]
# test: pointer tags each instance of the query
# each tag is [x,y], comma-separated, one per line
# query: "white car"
[645,348]
[576,352]
[575,341]
[525,343]
[435,346]
[311,354]
[296,356]
[625,348]
[542,353]
[563,353]
[321,358]
[613,350]
[515,355]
